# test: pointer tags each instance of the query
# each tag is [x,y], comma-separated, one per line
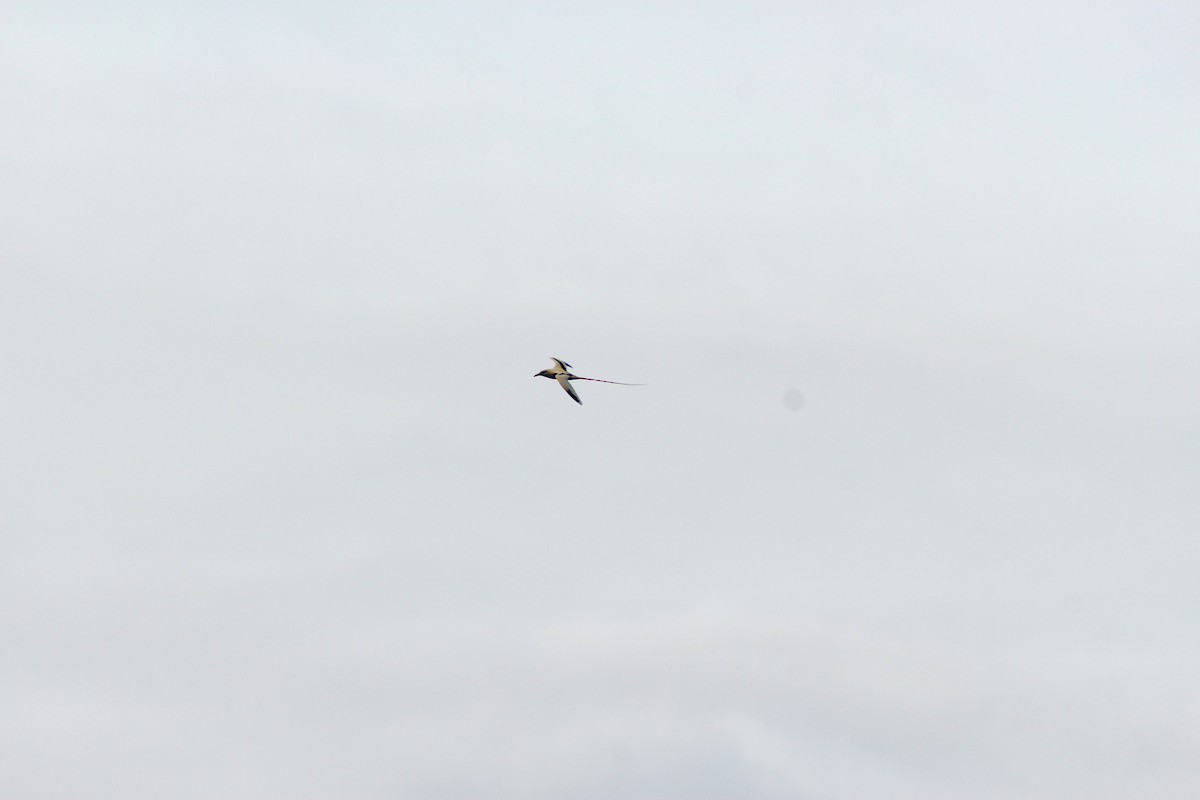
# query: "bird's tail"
[601,380]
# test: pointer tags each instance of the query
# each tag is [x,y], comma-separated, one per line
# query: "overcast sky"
[908,510]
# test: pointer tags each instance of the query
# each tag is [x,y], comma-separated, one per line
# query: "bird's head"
[544,374]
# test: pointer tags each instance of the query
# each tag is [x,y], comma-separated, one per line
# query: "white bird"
[560,372]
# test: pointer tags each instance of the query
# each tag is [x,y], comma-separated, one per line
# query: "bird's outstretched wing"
[564,366]
[565,382]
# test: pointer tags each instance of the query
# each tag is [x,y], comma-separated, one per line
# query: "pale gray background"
[287,516]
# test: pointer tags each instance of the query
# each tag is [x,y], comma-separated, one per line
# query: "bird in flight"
[560,372]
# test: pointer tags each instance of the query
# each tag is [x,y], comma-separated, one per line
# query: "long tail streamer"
[601,380]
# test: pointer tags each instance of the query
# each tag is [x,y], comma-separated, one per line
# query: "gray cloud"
[288,516]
